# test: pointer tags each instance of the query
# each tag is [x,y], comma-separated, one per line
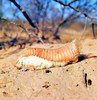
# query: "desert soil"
[72,82]
[76,81]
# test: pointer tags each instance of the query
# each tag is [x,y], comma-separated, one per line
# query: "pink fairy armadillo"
[40,58]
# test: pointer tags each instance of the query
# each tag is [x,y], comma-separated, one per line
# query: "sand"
[72,82]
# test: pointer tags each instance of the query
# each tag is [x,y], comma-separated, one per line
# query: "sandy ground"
[72,82]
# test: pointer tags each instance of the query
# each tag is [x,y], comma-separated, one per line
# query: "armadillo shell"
[60,56]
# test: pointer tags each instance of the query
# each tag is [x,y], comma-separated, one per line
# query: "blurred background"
[46,10]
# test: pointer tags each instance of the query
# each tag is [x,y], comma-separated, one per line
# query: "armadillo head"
[19,62]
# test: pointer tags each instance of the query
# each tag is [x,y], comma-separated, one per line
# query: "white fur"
[37,63]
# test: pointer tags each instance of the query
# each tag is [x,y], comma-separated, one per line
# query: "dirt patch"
[72,82]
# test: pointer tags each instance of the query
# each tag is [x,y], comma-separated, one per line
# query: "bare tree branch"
[77,10]
[72,2]
[25,14]
[93,30]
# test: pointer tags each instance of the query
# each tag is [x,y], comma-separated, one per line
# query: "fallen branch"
[85,78]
